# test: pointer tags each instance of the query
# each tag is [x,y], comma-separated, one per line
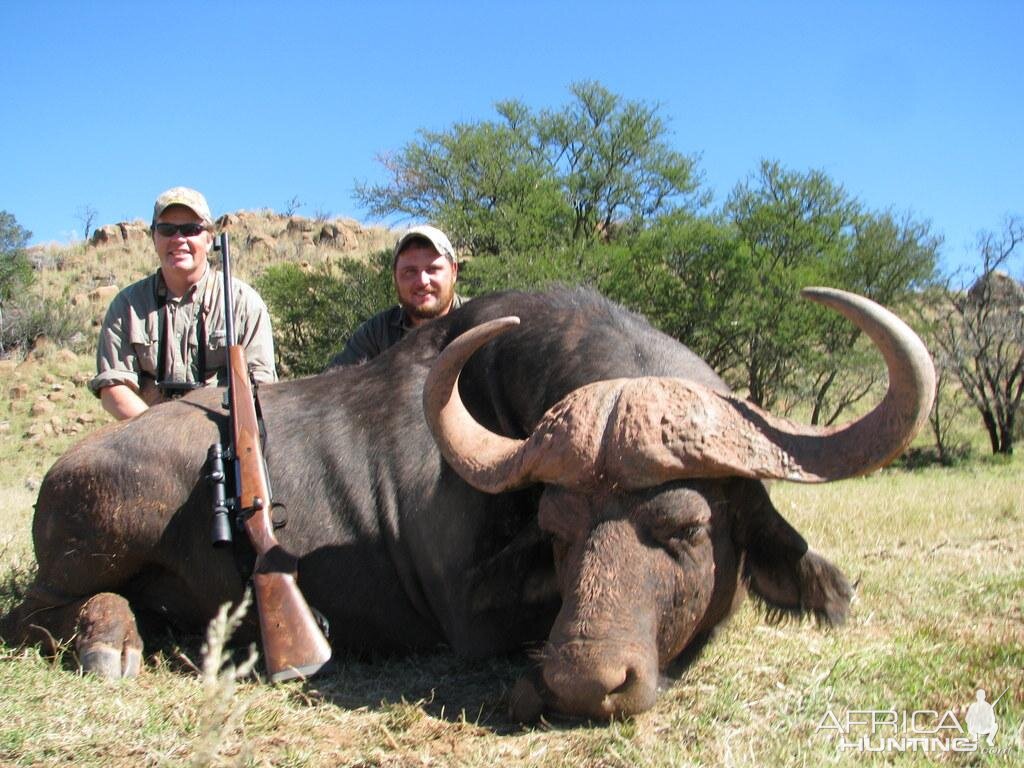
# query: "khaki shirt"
[129,344]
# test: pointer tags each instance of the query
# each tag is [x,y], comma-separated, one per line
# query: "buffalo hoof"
[111,663]
[108,642]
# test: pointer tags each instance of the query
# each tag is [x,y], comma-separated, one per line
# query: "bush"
[929,456]
[314,312]
[30,319]
[15,267]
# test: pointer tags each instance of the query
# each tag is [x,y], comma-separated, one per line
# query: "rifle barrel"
[229,309]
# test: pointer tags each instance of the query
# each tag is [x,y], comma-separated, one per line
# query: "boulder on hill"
[266,230]
[102,296]
[120,234]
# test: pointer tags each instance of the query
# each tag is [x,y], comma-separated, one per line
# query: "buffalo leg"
[102,628]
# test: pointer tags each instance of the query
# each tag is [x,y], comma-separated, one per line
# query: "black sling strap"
[160,293]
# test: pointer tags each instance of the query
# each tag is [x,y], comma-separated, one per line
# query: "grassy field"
[937,557]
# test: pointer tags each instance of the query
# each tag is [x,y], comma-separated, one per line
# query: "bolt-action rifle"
[293,643]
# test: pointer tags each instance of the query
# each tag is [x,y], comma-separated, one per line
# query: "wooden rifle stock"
[293,644]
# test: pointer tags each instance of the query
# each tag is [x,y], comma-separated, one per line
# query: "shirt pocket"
[146,351]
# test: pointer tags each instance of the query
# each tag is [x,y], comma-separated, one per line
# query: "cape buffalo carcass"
[588,490]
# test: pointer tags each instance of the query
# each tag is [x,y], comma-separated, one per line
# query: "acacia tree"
[586,172]
[795,229]
[891,259]
[979,335]
[485,183]
[688,275]
[15,268]
[801,229]
[615,168]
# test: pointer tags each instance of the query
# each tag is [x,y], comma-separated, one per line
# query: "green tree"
[314,312]
[615,167]
[688,275]
[796,228]
[484,183]
[802,229]
[891,259]
[15,268]
[588,172]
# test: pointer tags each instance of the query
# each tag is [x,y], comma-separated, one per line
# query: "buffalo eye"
[674,532]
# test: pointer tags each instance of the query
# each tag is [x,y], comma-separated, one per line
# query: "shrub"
[30,319]
[15,267]
[315,311]
[930,456]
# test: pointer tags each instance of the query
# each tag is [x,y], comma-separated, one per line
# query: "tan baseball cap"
[183,196]
[436,237]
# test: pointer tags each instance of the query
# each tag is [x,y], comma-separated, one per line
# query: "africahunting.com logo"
[968,729]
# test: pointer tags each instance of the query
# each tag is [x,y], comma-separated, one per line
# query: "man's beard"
[444,301]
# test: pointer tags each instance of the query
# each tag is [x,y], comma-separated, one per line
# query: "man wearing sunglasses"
[164,335]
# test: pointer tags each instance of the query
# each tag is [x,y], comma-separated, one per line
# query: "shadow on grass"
[441,684]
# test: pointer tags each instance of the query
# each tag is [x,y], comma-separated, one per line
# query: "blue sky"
[912,106]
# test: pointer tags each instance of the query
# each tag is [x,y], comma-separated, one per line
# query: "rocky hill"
[45,404]
[88,274]
[267,232]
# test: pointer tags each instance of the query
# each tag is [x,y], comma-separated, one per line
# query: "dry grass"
[937,555]
[940,568]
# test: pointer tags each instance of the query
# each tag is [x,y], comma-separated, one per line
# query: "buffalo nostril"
[631,697]
[627,683]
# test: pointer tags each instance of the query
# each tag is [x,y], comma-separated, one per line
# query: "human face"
[425,281]
[182,259]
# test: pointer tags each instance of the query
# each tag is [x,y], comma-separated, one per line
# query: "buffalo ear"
[808,585]
[779,568]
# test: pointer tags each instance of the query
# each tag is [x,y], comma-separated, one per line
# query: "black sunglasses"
[187,230]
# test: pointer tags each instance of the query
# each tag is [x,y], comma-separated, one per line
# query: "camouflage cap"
[183,196]
[436,237]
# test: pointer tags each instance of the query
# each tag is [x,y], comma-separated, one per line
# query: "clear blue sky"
[912,106]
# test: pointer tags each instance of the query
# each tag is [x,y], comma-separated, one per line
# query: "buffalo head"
[655,508]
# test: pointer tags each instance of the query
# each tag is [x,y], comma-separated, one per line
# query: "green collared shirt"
[381,331]
[129,346]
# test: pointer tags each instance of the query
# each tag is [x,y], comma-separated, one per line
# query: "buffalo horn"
[641,432]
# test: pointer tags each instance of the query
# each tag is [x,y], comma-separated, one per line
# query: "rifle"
[293,643]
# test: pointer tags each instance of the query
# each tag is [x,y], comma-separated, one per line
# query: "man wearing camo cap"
[164,335]
[425,271]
